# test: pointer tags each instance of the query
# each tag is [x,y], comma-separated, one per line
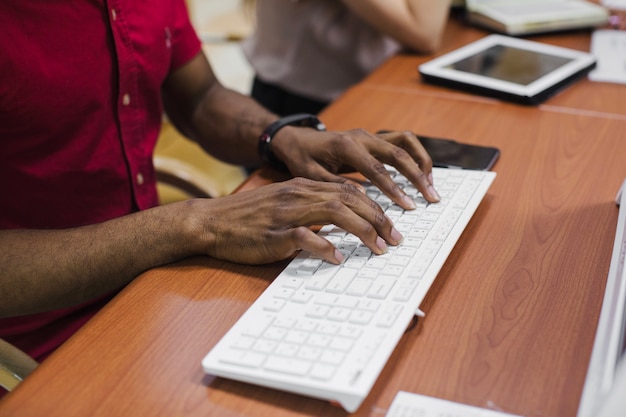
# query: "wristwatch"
[265,140]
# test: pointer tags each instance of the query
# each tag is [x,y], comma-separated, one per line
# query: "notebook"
[525,17]
[605,383]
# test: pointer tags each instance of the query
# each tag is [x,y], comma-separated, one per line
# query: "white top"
[316,48]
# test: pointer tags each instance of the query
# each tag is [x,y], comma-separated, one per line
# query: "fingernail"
[434,193]
[409,202]
[381,244]
[339,256]
[396,236]
[430,178]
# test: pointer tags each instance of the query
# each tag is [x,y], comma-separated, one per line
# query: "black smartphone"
[448,153]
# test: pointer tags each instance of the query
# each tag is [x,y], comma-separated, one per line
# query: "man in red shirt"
[84,86]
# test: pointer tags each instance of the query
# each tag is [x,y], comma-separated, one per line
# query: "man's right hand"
[272,223]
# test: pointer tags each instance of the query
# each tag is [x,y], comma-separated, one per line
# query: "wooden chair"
[15,365]
[185,171]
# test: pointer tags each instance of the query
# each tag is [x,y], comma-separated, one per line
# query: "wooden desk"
[400,73]
[509,321]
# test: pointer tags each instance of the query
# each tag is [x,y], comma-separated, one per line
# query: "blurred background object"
[183,170]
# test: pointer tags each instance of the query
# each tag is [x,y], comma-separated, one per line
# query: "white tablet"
[509,68]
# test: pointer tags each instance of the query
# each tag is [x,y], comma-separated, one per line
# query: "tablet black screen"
[510,64]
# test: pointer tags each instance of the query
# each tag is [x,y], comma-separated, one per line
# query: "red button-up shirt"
[80,112]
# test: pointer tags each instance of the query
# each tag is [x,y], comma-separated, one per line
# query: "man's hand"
[227,125]
[272,222]
[323,155]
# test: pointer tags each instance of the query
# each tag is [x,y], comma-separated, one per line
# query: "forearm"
[225,123]
[227,116]
[416,24]
[47,269]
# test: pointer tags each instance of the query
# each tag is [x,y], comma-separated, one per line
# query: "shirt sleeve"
[185,41]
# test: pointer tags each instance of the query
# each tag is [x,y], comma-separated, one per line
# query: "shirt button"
[139,179]
[126,99]
[113,14]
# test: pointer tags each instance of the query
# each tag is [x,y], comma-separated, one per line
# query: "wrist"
[195,231]
[265,140]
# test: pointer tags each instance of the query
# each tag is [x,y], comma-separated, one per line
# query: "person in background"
[306,53]
[85,85]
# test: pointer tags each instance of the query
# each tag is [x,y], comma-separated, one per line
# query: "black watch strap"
[265,140]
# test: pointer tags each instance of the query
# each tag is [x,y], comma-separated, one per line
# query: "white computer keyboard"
[327,331]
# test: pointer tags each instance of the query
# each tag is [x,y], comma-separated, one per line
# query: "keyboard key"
[274,305]
[353,332]
[360,317]
[333,357]
[319,340]
[317,311]
[322,371]
[341,343]
[243,358]
[287,349]
[339,314]
[359,287]
[288,366]
[381,287]
[302,297]
[309,353]
[244,342]
[264,346]
[309,266]
[297,336]
[405,290]
[275,333]
[321,278]
[257,327]
[341,280]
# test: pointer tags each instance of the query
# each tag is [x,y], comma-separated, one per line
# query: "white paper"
[407,404]
[609,48]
